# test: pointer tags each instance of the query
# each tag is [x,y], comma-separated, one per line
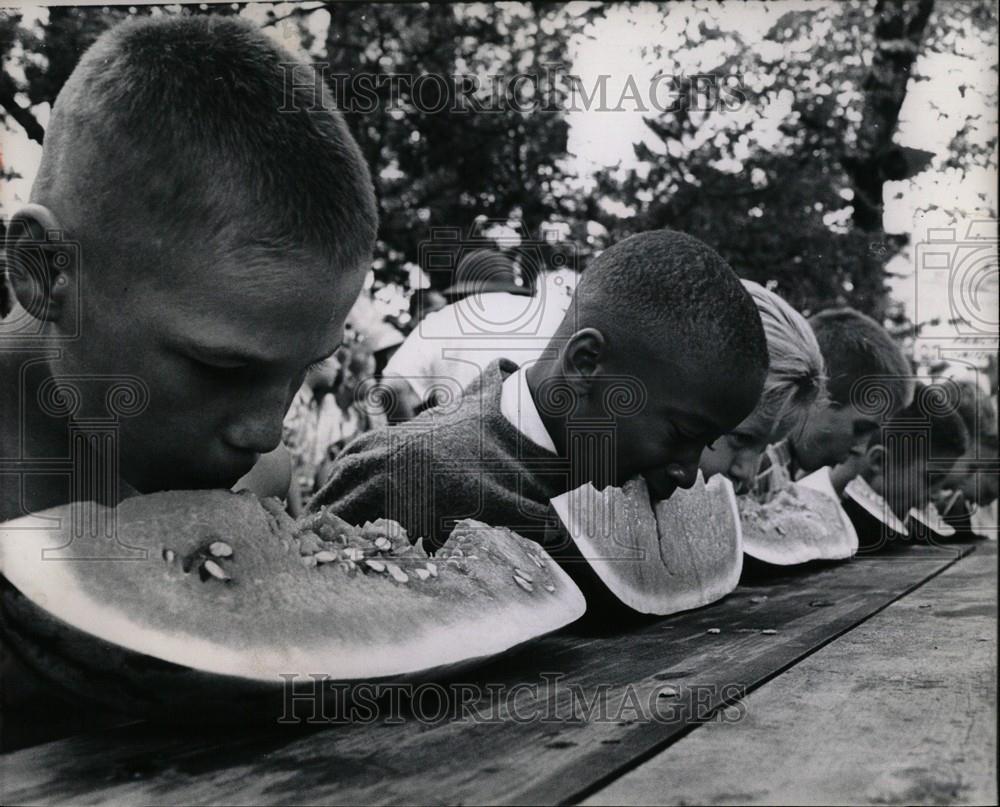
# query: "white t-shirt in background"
[452,346]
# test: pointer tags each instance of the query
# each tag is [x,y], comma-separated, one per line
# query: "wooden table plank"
[901,710]
[521,757]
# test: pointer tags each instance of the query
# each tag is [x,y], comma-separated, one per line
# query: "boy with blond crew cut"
[197,232]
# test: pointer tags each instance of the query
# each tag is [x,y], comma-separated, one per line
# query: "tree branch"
[23,116]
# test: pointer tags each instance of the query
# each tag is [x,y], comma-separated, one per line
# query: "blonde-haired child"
[795,382]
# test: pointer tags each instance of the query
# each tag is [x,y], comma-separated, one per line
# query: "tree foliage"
[788,184]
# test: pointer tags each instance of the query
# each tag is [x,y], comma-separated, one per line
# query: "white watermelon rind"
[51,585]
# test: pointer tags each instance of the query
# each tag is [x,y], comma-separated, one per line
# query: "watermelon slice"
[860,492]
[928,524]
[799,523]
[232,597]
[683,553]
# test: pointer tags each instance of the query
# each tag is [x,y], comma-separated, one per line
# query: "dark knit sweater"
[447,464]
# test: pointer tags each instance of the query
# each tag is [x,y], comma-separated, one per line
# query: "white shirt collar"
[519,408]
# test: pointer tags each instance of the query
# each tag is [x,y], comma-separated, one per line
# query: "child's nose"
[257,429]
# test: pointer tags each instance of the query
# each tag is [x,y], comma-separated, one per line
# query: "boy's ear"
[42,267]
[582,355]
[876,459]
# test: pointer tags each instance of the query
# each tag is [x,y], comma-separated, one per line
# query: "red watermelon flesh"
[682,553]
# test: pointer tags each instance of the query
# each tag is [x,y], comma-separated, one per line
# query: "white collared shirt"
[519,408]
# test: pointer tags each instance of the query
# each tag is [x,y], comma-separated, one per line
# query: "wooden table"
[870,681]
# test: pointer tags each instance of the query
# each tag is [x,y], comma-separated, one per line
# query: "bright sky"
[934,110]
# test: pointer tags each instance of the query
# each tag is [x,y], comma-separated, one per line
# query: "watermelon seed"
[308,561]
[713,631]
[383,544]
[537,560]
[669,692]
[220,549]
[325,556]
[550,589]
[375,565]
[397,574]
[758,599]
[432,568]
[769,631]
[523,583]
[528,577]
[423,574]
[214,569]
[168,555]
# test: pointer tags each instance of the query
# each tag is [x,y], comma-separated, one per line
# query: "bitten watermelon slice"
[232,596]
[683,553]
[799,523]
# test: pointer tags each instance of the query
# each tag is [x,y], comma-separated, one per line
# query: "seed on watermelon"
[713,630]
[550,589]
[220,549]
[375,565]
[308,543]
[214,569]
[523,583]
[432,568]
[669,692]
[308,560]
[325,556]
[383,544]
[397,574]
[423,574]
[525,576]
[168,555]
[537,560]
[769,631]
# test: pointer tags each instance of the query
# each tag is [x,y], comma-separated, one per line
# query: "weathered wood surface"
[518,758]
[900,710]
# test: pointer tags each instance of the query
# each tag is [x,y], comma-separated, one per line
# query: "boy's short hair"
[930,409]
[186,116]
[796,372]
[856,347]
[672,283]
